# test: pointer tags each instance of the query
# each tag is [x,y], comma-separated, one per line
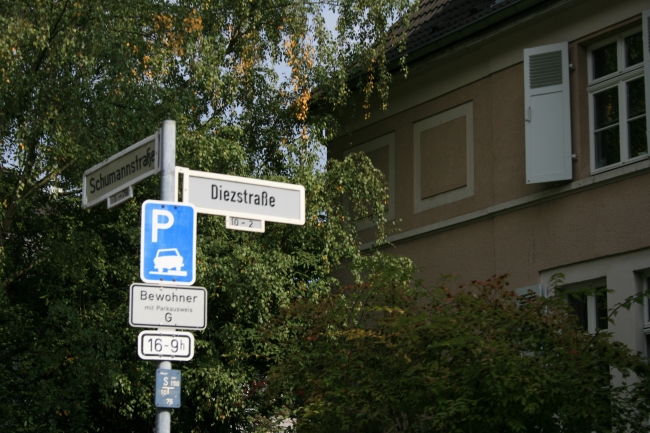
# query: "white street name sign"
[243,197]
[168,306]
[124,169]
[166,345]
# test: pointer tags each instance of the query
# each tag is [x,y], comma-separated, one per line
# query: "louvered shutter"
[538,289]
[547,113]
[646,66]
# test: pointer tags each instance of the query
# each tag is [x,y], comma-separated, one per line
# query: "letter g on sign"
[168,317]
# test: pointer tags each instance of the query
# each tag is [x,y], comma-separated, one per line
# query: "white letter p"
[159,225]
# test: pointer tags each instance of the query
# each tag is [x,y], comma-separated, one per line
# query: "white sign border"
[245,180]
[141,354]
[162,325]
[155,138]
[158,282]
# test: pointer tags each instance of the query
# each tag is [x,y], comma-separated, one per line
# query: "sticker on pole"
[168,243]
[168,388]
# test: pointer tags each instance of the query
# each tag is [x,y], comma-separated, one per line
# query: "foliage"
[80,81]
[388,355]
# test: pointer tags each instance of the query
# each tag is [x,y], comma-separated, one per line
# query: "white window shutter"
[538,289]
[646,65]
[547,113]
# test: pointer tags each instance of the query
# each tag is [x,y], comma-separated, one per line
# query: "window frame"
[645,285]
[646,303]
[466,110]
[618,79]
[589,288]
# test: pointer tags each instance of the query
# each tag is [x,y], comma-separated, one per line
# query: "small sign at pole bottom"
[168,388]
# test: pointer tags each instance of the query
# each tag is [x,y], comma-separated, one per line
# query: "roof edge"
[466,31]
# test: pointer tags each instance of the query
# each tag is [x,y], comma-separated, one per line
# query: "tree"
[389,355]
[80,81]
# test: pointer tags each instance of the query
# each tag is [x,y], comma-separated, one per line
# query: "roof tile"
[436,19]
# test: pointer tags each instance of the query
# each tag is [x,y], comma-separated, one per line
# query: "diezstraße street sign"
[168,306]
[120,171]
[243,197]
[168,242]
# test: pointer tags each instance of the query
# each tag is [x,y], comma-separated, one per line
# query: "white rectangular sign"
[243,197]
[245,224]
[166,345]
[120,171]
[168,306]
[119,197]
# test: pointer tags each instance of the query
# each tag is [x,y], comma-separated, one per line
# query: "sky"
[283,70]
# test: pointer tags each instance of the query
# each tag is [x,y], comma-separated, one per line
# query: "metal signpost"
[167,300]
[167,164]
[121,171]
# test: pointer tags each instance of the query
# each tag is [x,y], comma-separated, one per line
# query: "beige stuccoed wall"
[595,223]
[507,226]
[499,160]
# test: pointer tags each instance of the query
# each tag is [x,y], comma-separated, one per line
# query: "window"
[617,103]
[531,292]
[589,303]
[646,317]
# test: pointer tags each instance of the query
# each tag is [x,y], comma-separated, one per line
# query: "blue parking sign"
[168,243]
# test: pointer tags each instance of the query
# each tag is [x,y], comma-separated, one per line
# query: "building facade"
[518,144]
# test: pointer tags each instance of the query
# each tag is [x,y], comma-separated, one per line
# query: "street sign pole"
[167,193]
[168,163]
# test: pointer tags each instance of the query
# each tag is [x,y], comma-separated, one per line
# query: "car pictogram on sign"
[168,243]
[168,258]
